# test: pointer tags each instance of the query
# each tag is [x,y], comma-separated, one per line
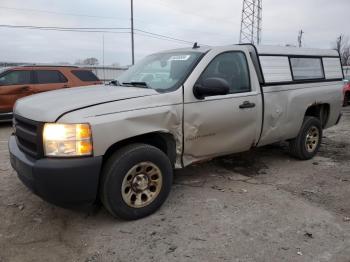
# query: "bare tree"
[87,61]
[342,45]
[116,64]
[91,61]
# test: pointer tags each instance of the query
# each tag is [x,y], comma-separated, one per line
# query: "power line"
[163,3]
[98,30]
[160,38]
[67,28]
[164,36]
[64,29]
[60,13]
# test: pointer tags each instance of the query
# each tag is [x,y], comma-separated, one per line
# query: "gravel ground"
[257,206]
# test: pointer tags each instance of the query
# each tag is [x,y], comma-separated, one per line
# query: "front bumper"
[6,117]
[64,182]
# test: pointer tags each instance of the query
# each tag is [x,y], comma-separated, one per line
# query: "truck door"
[219,125]
[14,84]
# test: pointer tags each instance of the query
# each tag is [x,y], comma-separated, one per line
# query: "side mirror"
[213,86]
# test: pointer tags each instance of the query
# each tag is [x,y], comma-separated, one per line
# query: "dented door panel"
[218,126]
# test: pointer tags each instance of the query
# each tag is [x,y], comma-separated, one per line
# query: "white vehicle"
[121,142]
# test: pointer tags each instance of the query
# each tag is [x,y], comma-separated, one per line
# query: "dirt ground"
[258,206]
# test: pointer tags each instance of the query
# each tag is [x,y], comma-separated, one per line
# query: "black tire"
[298,147]
[115,171]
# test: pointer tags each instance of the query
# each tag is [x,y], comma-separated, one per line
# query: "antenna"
[195,45]
[251,23]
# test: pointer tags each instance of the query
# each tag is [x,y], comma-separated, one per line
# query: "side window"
[85,75]
[231,66]
[49,77]
[306,68]
[15,78]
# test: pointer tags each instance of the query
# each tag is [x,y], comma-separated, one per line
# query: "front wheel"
[306,145]
[136,181]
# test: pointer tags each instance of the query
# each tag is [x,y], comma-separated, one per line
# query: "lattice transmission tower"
[251,22]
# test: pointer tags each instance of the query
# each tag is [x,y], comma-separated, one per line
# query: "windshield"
[163,72]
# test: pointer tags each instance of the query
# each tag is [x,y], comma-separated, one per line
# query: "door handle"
[65,86]
[247,104]
[25,88]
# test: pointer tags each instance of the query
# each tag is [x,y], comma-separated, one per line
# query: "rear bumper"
[339,117]
[6,117]
[64,182]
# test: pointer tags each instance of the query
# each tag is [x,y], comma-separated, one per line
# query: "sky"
[206,22]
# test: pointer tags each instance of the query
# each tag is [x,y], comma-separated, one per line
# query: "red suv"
[23,81]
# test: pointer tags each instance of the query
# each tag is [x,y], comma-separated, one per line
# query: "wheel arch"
[320,111]
[164,141]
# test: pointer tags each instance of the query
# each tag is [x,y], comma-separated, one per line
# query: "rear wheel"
[136,181]
[306,145]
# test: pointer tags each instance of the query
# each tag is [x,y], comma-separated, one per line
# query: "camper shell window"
[306,68]
[296,69]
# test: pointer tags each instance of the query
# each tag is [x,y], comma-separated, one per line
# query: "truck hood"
[49,106]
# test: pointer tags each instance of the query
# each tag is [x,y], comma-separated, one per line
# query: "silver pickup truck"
[120,142]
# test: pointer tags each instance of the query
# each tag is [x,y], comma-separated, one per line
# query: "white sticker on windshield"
[179,57]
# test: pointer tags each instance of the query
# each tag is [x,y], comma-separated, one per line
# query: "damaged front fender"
[119,121]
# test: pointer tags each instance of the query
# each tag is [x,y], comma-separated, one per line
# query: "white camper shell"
[289,75]
[289,64]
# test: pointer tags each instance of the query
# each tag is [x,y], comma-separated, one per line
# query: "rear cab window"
[49,77]
[85,75]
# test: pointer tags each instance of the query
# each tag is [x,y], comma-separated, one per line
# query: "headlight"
[65,140]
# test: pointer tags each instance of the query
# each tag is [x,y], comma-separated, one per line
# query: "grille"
[28,134]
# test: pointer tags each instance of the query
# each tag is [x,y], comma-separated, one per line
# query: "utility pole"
[339,43]
[251,23]
[132,33]
[103,56]
[300,38]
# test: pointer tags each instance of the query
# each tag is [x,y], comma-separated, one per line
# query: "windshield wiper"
[137,84]
[115,83]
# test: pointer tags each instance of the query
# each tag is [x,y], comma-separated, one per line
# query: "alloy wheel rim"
[312,139]
[141,185]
